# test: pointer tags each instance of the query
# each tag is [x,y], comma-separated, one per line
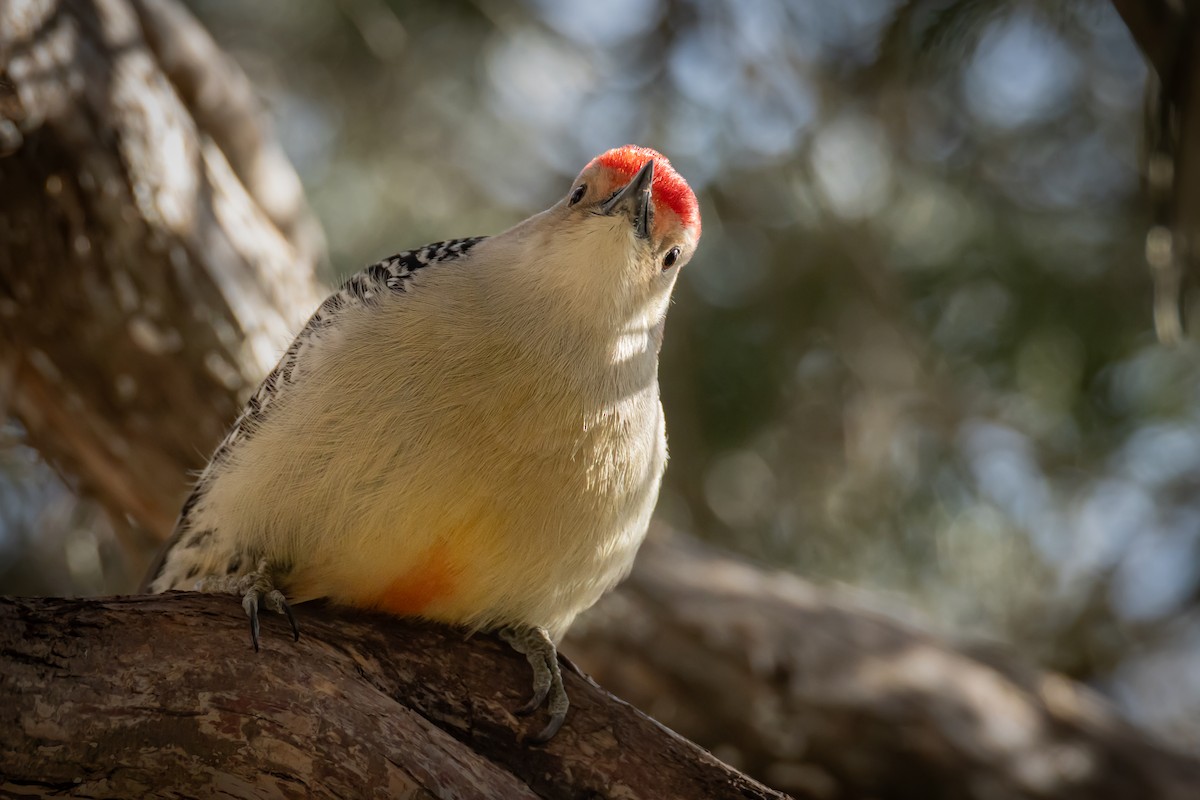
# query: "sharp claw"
[547,733]
[287,610]
[254,626]
[256,590]
[540,652]
[535,702]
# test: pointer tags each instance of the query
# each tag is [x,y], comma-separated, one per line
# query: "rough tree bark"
[156,246]
[155,252]
[162,696]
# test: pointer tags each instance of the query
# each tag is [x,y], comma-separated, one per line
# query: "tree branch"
[162,696]
[813,693]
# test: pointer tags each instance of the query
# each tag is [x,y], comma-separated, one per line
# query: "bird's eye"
[670,258]
[578,194]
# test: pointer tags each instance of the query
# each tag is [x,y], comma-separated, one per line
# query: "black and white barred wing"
[389,276]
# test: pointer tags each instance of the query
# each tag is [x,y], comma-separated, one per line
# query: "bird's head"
[617,239]
[644,202]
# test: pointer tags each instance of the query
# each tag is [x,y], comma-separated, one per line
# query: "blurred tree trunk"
[155,254]
[1168,34]
[157,250]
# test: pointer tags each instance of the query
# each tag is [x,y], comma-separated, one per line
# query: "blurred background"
[914,354]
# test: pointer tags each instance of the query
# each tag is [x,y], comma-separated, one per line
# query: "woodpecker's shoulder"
[393,274]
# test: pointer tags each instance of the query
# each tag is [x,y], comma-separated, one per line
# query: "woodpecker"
[469,432]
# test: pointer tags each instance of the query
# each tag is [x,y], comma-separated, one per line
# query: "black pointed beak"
[634,200]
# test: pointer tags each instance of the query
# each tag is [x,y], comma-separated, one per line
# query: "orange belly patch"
[431,580]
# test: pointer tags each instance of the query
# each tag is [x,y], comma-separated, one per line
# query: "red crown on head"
[669,186]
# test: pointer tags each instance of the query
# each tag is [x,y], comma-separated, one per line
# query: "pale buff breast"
[480,486]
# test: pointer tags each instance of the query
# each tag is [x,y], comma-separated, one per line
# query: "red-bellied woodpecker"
[470,432]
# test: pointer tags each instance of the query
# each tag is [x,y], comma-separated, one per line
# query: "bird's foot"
[255,588]
[535,644]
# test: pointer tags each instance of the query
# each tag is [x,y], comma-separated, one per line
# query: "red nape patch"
[669,186]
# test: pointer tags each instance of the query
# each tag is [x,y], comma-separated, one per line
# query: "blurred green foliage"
[914,352]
